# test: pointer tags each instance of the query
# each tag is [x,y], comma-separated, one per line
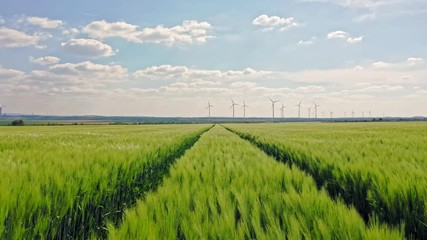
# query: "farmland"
[65,182]
[224,188]
[237,181]
[381,169]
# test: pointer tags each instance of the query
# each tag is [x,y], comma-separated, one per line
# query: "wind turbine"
[299,109]
[244,106]
[309,112]
[369,113]
[352,113]
[283,110]
[232,105]
[332,113]
[209,107]
[272,104]
[345,114]
[363,114]
[315,109]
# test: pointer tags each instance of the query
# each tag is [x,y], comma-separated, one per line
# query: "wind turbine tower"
[1,109]
[332,113]
[283,110]
[352,113]
[244,106]
[232,105]
[272,104]
[299,109]
[209,107]
[315,109]
[309,112]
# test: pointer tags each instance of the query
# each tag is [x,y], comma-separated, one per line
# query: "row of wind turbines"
[315,106]
[233,104]
[282,109]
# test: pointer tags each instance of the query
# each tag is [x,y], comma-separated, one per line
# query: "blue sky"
[169,58]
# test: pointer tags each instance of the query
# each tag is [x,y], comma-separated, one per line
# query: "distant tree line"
[18,122]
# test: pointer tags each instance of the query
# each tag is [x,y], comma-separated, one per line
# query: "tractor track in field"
[357,198]
[80,223]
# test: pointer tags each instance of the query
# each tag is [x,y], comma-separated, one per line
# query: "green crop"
[380,168]
[225,188]
[64,182]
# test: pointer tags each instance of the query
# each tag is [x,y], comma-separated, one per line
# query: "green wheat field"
[202,181]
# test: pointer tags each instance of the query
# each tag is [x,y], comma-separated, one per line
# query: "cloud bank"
[188,32]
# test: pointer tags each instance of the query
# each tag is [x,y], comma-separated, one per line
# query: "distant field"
[321,181]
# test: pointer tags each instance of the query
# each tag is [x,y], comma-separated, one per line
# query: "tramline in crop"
[64,182]
[380,168]
[225,188]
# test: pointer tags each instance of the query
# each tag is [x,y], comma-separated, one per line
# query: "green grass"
[380,168]
[225,188]
[64,182]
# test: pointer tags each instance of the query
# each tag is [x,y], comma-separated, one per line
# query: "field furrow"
[225,188]
[380,169]
[67,182]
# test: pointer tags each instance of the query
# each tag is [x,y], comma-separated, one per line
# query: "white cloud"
[41,46]
[90,48]
[77,90]
[344,35]
[370,4]
[186,33]
[337,34]
[271,22]
[103,29]
[1,20]
[380,88]
[10,38]
[308,42]
[84,74]
[47,60]
[182,73]
[310,89]
[355,40]
[89,71]
[366,17]
[244,85]
[410,64]
[412,61]
[380,64]
[44,22]
[10,74]
[72,32]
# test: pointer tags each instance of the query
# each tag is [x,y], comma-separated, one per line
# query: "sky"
[171,58]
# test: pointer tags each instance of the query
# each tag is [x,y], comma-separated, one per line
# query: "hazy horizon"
[170,58]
